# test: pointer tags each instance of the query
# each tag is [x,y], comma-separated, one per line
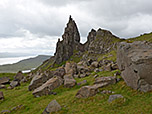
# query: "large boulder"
[4,80]
[37,81]
[53,106]
[69,81]
[47,87]
[109,80]
[19,76]
[135,62]
[88,91]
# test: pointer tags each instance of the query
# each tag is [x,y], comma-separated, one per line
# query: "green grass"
[135,102]
[9,75]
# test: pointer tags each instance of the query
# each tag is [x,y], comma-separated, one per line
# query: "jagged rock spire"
[70,42]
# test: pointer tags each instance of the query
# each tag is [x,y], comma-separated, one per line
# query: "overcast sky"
[33,26]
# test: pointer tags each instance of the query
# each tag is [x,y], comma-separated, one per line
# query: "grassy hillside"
[135,102]
[26,64]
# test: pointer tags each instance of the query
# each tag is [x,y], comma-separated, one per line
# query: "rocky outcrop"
[53,106]
[104,42]
[47,87]
[91,37]
[135,62]
[70,42]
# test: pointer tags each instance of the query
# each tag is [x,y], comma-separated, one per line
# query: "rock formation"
[135,62]
[70,42]
[103,42]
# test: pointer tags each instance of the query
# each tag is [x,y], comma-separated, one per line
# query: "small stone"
[113,97]
[1,95]
[2,86]
[82,82]
[107,92]
[95,76]
[96,70]
[5,111]
[53,106]
[14,84]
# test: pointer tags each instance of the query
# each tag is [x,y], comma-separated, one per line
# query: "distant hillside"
[26,64]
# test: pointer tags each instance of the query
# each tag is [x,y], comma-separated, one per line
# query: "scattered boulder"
[135,62]
[109,80]
[14,83]
[88,91]
[1,95]
[82,82]
[53,106]
[69,81]
[113,97]
[47,87]
[37,81]
[19,76]
[4,80]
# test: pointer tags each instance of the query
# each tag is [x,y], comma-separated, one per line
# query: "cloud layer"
[33,26]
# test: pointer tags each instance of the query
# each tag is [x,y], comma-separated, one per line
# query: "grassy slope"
[135,102]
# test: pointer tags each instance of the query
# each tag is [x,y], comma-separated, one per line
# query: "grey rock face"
[4,80]
[53,106]
[91,37]
[102,43]
[135,62]
[47,87]
[113,97]
[70,42]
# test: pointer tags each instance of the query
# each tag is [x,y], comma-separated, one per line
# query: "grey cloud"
[125,18]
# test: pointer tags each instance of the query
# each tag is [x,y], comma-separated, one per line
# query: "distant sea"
[11,60]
